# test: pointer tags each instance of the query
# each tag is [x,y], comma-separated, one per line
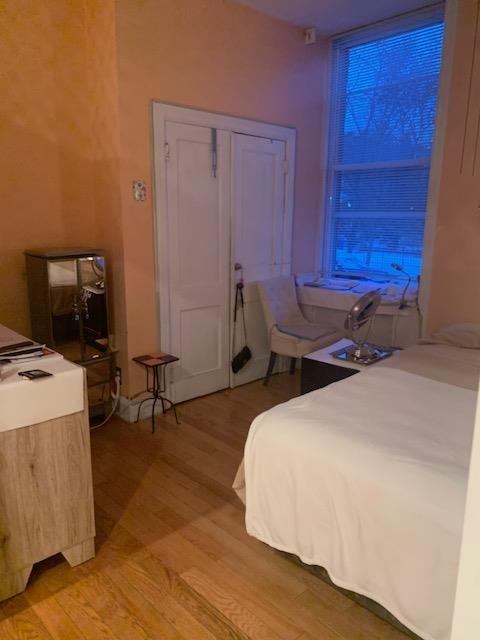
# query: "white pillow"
[465,334]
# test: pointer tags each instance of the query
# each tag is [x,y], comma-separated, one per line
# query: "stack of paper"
[22,352]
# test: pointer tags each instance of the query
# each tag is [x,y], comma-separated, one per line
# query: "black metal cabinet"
[317,374]
[67,291]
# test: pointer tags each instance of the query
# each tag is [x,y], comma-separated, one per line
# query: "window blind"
[385,82]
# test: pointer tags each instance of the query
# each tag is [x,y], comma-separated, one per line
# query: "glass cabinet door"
[63,290]
[78,307]
[93,306]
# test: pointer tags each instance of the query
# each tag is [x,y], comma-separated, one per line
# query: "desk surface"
[156,359]
[343,300]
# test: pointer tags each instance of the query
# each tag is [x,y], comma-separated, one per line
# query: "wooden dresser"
[46,496]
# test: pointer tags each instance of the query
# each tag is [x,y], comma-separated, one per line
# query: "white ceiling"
[334,16]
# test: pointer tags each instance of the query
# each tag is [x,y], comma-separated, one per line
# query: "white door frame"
[163,113]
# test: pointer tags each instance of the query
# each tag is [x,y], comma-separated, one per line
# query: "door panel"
[261,241]
[199,260]
[205,355]
[198,216]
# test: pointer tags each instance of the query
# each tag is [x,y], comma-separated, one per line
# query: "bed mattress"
[367,478]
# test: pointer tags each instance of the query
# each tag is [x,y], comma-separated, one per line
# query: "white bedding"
[367,478]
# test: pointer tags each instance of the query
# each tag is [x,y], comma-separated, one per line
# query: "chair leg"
[293,362]
[271,364]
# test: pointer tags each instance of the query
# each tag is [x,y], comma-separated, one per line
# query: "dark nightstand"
[320,368]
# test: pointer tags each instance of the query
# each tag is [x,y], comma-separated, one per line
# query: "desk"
[391,326]
[46,495]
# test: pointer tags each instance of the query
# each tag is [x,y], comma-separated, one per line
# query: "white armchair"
[291,334]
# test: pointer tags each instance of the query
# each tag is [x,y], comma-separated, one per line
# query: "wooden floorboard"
[174,561]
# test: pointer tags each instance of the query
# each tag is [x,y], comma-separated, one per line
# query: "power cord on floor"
[115,397]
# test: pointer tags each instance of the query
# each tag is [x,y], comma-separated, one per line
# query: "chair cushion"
[308,331]
[287,345]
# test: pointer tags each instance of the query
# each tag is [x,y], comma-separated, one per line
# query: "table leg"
[13,583]
[140,406]
[172,404]
[153,413]
[80,552]
[175,413]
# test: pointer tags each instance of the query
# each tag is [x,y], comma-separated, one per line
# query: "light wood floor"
[173,558]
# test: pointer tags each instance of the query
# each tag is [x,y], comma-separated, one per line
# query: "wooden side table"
[155,365]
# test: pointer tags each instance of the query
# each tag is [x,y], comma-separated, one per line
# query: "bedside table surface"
[324,355]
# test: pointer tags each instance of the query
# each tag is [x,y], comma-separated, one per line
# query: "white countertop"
[25,402]
[325,355]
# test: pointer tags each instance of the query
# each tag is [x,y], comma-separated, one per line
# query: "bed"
[367,479]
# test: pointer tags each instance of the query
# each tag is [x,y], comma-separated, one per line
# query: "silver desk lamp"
[361,315]
[404,302]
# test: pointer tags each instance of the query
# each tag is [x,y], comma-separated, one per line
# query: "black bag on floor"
[241,358]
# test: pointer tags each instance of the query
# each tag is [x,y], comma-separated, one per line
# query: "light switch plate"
[310,35]
[139,190]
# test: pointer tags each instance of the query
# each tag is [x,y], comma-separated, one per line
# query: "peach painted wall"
[45,159]
[59,136]
[77,81]
[455,190]
[219,56]
[101,54]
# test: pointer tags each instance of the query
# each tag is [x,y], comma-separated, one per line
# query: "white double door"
[225,204]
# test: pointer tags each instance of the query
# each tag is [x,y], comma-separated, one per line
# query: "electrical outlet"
[118,374]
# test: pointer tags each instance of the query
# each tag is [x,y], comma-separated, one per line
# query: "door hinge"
[167,151]
[285,167]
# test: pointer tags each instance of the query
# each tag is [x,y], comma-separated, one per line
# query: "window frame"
[338,45]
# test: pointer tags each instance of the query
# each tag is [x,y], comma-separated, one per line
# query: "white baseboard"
[128,409]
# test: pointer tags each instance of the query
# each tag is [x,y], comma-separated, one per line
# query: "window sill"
[343,299]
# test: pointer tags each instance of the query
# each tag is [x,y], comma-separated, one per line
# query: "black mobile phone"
[34,374]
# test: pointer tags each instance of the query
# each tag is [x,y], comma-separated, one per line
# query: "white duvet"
[367,478]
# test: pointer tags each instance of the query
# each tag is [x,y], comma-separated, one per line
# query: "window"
[384,95]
